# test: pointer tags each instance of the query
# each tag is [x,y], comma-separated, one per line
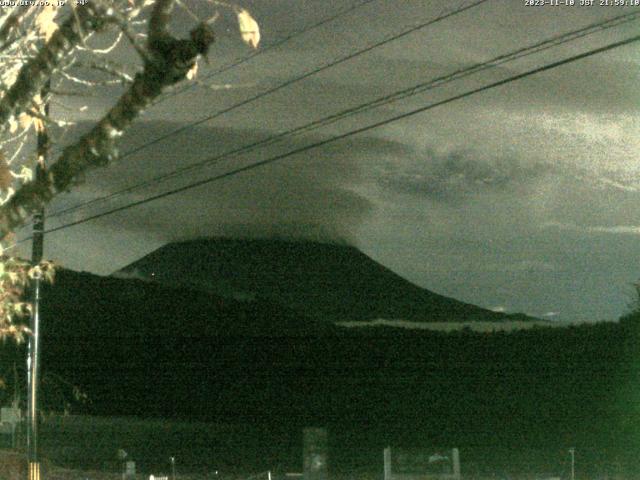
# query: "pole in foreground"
[33,360]
[572,451]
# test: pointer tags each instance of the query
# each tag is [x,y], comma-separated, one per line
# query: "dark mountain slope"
[325,281]
[83,305]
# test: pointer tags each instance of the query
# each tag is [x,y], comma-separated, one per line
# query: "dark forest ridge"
[325,281]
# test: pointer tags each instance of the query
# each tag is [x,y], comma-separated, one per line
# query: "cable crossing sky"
[381,101]
[422,109]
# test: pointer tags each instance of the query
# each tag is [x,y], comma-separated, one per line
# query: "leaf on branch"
[13,277]
[193,71]
[25,120]
[45,21]
[26,174]
[17,333]
[39,124]
[13,124]
[47,270]
[249,29]
[23,309]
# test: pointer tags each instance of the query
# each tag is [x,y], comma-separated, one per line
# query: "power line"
[262,51]
[274,45]
[357,131]
[281,86]
[499,60]
[304,76]
[422,87]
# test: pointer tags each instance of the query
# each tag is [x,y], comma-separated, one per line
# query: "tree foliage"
[58,49]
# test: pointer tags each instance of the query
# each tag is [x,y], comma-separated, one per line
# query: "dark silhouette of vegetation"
[137,351]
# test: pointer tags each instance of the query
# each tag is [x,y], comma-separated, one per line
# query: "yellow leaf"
[249,29]
[45,23]
[37,101]
[39,124]
[25,120]
[193,71]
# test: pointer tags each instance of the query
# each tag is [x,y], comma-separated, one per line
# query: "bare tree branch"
[160,20]
[11,24]
[110,68]
[169,61]
[34,74]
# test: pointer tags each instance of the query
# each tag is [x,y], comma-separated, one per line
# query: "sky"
[521,198]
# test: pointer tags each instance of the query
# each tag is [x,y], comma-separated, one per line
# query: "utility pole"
[33,352]
[572,451]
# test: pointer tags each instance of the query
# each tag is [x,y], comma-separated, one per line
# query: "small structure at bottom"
[129,470]
[315,453]
[421,464]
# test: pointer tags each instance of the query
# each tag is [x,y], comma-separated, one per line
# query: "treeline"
[536,389]
[140,349]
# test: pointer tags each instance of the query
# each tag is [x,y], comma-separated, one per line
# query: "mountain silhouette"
[324,281]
